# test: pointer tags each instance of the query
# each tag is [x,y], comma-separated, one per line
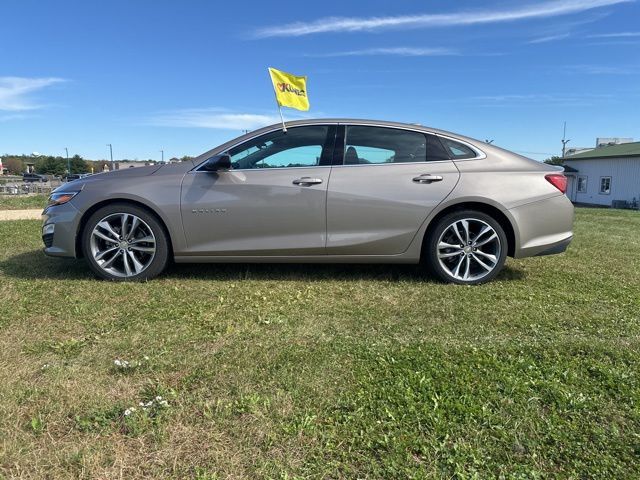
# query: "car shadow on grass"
[36,265]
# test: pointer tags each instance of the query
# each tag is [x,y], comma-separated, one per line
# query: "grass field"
[324,371]
[22,202]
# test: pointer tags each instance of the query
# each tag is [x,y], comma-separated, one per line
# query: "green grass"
[22,202]
[293,371]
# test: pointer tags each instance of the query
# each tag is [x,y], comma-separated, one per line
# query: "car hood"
[126,173]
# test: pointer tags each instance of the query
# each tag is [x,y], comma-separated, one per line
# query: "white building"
[608,175]
[122,164]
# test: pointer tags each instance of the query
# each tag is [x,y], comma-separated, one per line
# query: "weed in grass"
[130,366]
[99,420]
[37,425]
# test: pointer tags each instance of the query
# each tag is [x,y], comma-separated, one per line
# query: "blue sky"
[185,76]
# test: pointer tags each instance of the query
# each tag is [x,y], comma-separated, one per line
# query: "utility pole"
[111,154]
[162,152]
[564,140]
[68,164]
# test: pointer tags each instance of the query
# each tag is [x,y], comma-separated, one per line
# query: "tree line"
[50,165]
[45,164]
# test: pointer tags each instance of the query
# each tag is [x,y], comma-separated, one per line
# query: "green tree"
[14,165]
[78,164]
[555,160]
[51,165]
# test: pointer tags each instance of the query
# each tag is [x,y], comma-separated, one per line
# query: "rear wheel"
[466,247]
[122,242]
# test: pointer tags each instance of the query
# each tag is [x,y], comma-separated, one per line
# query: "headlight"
[60,197]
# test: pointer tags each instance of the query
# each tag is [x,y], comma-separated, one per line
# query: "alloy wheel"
[469,249]
[122,244]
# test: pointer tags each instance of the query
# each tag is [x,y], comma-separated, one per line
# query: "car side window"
[435,150]
[297,147]
[457,150]
[375,145]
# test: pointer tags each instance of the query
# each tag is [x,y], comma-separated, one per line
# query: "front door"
[272,201]
[385,186]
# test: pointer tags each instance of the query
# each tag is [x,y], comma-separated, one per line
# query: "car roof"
[339,121]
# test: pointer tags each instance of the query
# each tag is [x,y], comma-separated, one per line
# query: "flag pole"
[284,128]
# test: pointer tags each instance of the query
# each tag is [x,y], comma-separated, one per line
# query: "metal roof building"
[607,175]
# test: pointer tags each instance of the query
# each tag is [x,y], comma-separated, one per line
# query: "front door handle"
[427,178]
[306,181]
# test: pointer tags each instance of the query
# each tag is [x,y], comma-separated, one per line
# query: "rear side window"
[435,150]
[375,145]
[457,150]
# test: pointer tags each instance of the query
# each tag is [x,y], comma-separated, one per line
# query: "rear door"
[384,183]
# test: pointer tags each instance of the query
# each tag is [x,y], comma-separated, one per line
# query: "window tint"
[457,150]
[374,145]
[435,150]
[298,147]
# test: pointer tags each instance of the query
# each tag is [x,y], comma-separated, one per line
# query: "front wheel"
[466,247]
[122,242]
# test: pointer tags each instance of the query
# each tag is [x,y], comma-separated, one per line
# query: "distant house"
[120,165]
[608,175]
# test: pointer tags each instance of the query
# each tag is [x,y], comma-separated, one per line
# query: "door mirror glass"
[218,163]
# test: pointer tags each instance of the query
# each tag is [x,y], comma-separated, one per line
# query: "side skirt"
[297,259]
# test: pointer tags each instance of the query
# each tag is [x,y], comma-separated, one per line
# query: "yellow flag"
[291,91]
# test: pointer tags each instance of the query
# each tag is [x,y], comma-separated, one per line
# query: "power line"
[533,153]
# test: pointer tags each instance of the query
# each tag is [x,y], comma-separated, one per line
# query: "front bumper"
[59,230]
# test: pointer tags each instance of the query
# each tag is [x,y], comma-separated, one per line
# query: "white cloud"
[368,24]
[212,118]
[616,35]
[601,69]
[398,51]
[542,99]
[15,91]
[549,38]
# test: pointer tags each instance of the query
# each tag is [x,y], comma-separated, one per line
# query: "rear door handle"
[306,181]
[427,178]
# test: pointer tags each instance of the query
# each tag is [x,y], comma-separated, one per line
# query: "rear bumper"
[544,227]
[59,230]
[560,247]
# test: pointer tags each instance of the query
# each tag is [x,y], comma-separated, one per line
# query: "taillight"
[557,180]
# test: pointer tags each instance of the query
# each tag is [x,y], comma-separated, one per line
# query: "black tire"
[160,257]
[441,268]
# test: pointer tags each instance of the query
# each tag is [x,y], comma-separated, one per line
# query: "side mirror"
[218,163]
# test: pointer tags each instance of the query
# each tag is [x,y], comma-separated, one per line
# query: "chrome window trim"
[479,153]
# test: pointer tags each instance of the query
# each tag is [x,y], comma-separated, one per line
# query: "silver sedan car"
[338,190]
